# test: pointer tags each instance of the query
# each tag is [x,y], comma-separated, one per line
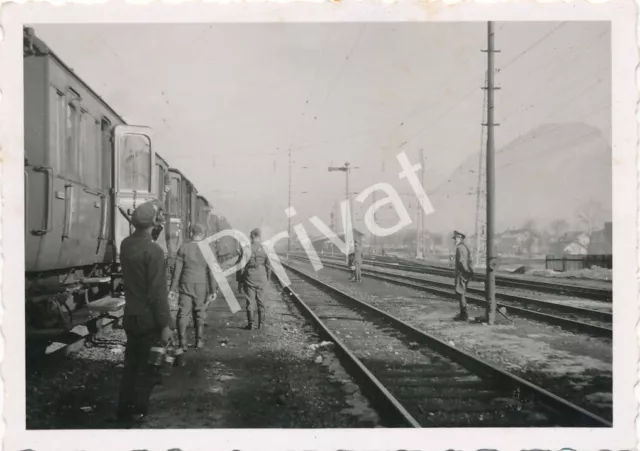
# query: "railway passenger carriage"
[85,172]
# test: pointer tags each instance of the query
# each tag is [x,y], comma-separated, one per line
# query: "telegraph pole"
[420,216]
[420,253]
[481,197]
[491,183]
[347,233]
[375,235]
[289,229]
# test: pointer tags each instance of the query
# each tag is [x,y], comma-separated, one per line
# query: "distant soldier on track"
[463,273]
[255,278]
[194,285]
[357,261]
[147,319]
[350,263]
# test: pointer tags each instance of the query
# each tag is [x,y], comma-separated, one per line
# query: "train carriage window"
[174,197]
[107,154]
[160,185]
[184,201]
[82,147]
[97,144]
[135,163]
[57,127]
[71,151]
[89,158]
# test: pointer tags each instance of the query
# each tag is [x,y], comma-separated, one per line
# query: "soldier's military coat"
[463,268]
[146,313]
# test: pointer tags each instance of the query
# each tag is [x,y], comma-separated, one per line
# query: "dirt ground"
[241,379]
[574,366]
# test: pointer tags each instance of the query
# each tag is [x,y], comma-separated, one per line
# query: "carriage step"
[96,280]
[106,305]
[103,309]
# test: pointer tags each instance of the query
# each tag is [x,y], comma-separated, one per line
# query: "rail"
[601,294]
[568,413]
[445,290]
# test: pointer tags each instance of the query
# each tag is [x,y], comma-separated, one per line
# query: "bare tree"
[530,227]
[558,228]
[530,224]
[591,216]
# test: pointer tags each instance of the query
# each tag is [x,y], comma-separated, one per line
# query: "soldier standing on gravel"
[357,261]
[147,319]
[463,273]
[350,263]
[194,286]
[255,278]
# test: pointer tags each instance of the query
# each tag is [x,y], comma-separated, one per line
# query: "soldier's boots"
[260,319]
[463,315]
[182,336]
[199,337]
[249,325]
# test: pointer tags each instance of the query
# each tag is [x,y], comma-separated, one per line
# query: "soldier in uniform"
[239,272]
[351,266]
[147,320]
[463,273]
[194,285]
[255,279]
[357,261]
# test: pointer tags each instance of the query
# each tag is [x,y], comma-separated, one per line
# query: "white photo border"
[621,14]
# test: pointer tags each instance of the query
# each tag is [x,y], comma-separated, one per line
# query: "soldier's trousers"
[358,272]
[191,305]
[255,298]
[138,378]
[239,281]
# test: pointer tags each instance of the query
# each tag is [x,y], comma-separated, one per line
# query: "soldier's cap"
[460,234]
[145,215]
[255,233]
[198,229]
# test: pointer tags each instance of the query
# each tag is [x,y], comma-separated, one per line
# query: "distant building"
[517,242]
[601,241]
[324,245]
[574,248]
[571,243]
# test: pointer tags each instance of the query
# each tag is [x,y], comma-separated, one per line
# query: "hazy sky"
[227,102]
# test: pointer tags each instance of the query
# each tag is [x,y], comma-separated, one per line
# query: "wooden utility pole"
[491,184]
[375,235]
[422,244]
[348,233]
[481,194]
[289,206]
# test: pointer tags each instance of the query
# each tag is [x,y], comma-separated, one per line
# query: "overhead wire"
[532,46]
[556,112]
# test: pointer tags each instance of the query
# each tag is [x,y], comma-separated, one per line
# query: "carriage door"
[106,230]
[134,163]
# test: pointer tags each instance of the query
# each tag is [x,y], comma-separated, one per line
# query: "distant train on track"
[85,171]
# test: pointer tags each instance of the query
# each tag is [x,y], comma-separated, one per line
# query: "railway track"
[578,319]
[416,380]
[581,291]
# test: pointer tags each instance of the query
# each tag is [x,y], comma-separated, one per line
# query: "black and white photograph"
[322,225]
